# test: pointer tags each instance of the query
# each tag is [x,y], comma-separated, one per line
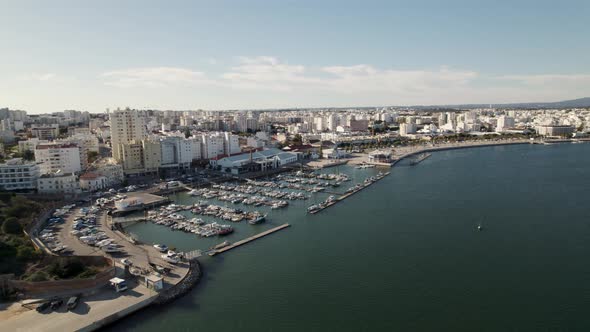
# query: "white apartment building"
[213,146]
[555,130]
[16,174]
[93,182]
[58,183]
[112,172]
[231,143]
[504,122]
[64,157]
[194,146]
[407,128]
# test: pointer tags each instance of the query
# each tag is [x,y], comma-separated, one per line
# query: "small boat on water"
[257,220]
[222,245]
[479,227]
[313,208]
[197,221]
[225,230]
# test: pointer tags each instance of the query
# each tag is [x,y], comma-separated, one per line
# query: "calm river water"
[405,253]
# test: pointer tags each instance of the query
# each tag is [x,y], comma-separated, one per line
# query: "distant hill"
[581,102]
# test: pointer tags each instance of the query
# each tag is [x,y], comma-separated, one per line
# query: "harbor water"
[404,254]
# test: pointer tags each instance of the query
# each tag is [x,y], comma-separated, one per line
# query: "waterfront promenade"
[401,153]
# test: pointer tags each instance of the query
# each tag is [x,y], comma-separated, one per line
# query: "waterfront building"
[334,153]
[380,156]
[254,161]
[504,122]
[16,174]
[555,130]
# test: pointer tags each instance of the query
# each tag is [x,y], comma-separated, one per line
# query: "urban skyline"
[186,56]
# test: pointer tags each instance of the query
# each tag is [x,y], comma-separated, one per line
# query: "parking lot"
[105,301]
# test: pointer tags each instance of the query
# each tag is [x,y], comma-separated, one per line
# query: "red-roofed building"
[92,182]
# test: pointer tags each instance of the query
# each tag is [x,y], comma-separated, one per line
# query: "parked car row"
[56,303]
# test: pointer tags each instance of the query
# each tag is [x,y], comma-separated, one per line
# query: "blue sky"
[267,54]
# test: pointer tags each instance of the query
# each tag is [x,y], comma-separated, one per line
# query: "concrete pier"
[343,197]
[247,240]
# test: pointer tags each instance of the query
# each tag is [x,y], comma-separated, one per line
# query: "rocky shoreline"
[190,280]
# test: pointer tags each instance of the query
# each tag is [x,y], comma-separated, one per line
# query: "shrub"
[66,268]
[25,253]
[88,273]
[38,276]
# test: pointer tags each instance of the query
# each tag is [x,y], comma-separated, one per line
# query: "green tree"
[297,140]
[187,132]
[92,156]
[11,226]
[28,155]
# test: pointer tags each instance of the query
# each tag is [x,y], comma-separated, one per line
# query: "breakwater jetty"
[214,252]
[191,278]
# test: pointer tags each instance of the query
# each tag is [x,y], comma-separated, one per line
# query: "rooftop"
[56,146]
[89,176]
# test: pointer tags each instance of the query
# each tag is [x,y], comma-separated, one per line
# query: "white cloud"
[41,77]
[265,72]
[362,84]
[152,77]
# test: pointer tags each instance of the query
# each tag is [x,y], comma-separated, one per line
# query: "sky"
[181,55]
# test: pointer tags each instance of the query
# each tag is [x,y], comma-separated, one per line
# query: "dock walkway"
[343,197]
[247,240]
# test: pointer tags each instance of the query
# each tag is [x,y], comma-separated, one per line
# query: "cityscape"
[363,185]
